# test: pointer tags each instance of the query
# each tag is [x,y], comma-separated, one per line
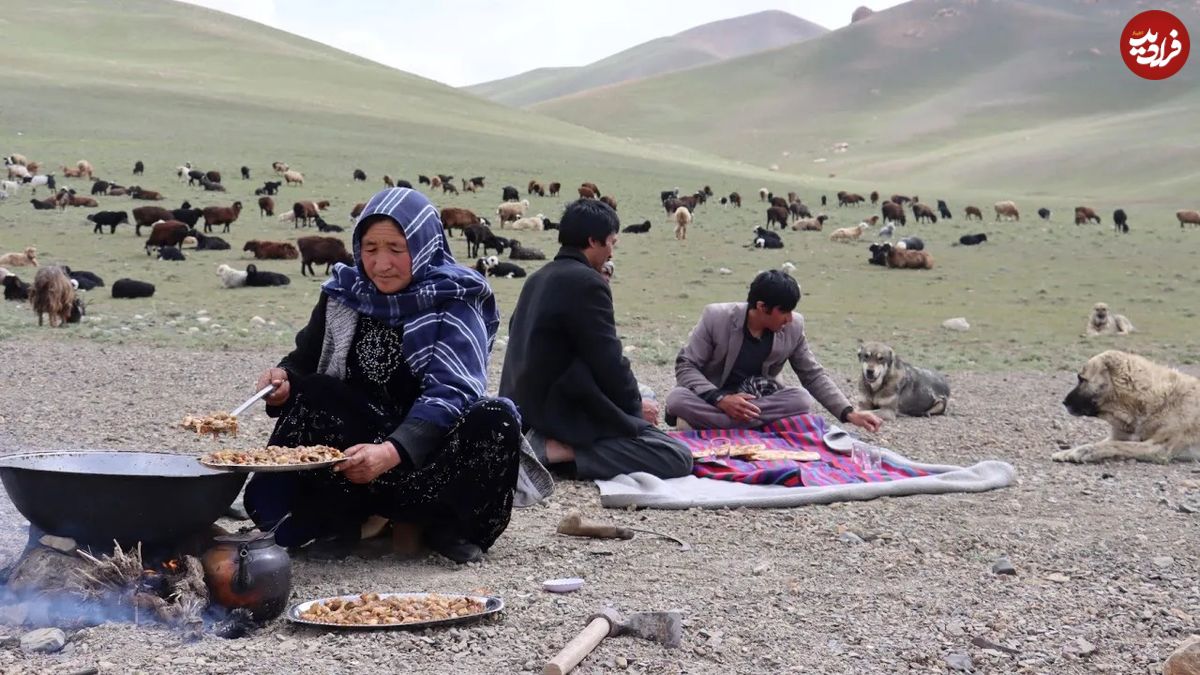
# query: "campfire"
[55,583]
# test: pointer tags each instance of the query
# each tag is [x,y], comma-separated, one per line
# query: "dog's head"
[1096,384]
[1100,312]
[876,359]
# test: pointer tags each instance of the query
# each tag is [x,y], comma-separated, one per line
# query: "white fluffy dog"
[231,278]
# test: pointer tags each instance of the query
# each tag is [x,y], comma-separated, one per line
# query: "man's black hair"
[585,220]
[775,289]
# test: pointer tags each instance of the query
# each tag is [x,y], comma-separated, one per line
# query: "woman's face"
[385,256]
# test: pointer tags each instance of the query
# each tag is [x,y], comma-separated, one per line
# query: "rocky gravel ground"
[1104,556]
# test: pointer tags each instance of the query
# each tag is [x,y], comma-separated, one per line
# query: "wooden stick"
[578,649]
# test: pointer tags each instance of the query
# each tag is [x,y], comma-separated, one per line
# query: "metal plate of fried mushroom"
[216,424]
[274,458]
[393,610]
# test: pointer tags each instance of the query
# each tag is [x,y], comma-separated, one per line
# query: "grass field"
[1027,292]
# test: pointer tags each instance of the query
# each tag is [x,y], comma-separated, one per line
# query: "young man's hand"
[650,411]
[866,420]
[738,407]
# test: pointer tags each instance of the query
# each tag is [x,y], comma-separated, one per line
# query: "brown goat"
[266,206]
[214,176]
[358,209]
[777,214]
[321,250]
[145,216]
[26,258]
[1188,217]
[906,259]
[149,195]
[554,188]
[607,199]
[272,250]
[849,199]
[586,192]
[221,215]
[456,218]
[974,211]
[52,294]
[387,180]
[592,187]
[1084,214]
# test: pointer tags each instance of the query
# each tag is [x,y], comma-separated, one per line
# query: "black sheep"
[359,174]
[972,239]
[109,218]
[404,184]
[1044,213]
[187,215]
[256,278]
[132,288]
[878,255]
[15,289]
[507,270]
[47,205]
[510,194]
[100,187]
[518,252]
[548,224]
[769,238]
[206,242]
[138,168]
[1120,221]
[943,210]
[86,280]
[911,243]
[245,173]
[639,228]
[170,253]
[326,227]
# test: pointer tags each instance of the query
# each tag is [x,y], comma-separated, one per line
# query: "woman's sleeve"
[453,373]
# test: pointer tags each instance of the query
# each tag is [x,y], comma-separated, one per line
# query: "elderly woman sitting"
[392,368]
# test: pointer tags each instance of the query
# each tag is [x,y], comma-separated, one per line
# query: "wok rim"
[7,462]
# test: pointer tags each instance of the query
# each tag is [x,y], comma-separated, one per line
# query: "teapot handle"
[242,580]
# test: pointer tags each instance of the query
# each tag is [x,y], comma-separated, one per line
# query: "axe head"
[662,627]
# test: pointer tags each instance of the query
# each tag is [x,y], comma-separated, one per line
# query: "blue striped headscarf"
[448,312]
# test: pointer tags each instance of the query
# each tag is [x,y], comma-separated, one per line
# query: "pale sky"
[468,41]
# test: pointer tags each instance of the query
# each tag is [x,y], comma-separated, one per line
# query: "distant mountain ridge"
[705,44]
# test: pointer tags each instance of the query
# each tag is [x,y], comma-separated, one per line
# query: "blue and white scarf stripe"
[448,311]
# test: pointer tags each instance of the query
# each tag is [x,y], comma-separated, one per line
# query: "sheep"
[245,173]
[435,182]
[68,172]
[799,210]
[518,252]
[778,201]
[943,210]
[764,238]
[167,233]
[849,199]
[586,192]
[422,179]
[911,244]
[922,213]
[1007,209]
[47,204]
[307,210]
[109,218]
[131,288]
[1084,214]
[293,177]
[762,194]
[509,193]
[899,258]
[735,199]
[37,181]
[137,192]
[548,224]
[664,195]
[535,187]
[270,187]
[256,278]
[554,188]
[10,186]
[533,223]
[777,214]
[279,167]
[83,279]
[321,250]
[972,239]
[360,175]
[323,226]
[357,210]
[26,258]
[209,243]
[810,224]
[272,250]
[1120,221]
[449,187]
[145,216]
[100,187]
[477,181]
[170,253]
[510,211]
[53,294]
[874,197]
[14,288]
[468,186]
[17,159]
[481,235]
[66,198]
[612,203]
[454,218]
[878,255]
[974,211]
[1187,217]
[683,218]
[900,199]
[182,171]
[195,177]
[18,171]
[221,215]
[886,231]
[893,213]
[639,228]
[266,206]
[210,186]
[846,234]
[592,187]
[1044,213]
[231,278]
[492,266]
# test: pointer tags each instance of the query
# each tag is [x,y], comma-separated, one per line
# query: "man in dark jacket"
[564,366]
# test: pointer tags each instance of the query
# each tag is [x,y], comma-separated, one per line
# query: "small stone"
[960,662]
[1184,507]
[7,640]
[622,662]
[1003,566]
[193,329]
[1058,577]
[1162,561]
[201,312]
[725,270]
[258,320]
[1083,648]
[64,544]
[761,569]
[957,323]
[44,640]
[850,538]
[204,319]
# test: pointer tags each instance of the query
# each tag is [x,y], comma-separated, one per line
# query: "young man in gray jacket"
[726,374]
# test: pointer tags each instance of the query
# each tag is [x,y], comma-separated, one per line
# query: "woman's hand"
[279,378]
[368,461]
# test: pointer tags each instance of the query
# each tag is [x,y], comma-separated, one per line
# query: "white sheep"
[533,223]
[788,267]
[231,278]
[849,233]
[510,211]
[887,231]
[683,218]
[762,194]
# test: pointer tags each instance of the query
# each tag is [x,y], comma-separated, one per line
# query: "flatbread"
[732,450]
[794,455]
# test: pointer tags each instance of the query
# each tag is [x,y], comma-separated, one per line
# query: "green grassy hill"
[709,43]
[1021,95]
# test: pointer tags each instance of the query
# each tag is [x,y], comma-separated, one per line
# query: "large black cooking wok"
[96,496]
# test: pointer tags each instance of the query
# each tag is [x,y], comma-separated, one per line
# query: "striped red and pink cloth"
[802,432]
